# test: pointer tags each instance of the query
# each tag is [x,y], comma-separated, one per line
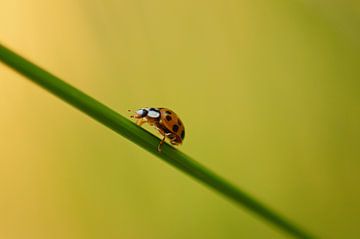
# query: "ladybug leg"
[161,143]
[172,138]
[140,121]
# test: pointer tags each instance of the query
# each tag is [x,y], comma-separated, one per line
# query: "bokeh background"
[269,92]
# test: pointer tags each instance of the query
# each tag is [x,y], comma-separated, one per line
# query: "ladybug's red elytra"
[165,121]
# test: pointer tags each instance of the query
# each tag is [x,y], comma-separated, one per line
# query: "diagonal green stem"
[144,139]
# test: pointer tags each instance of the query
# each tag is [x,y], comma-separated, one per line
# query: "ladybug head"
[141,113]
[147,112]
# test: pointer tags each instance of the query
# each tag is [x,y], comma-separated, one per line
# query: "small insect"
[165,121]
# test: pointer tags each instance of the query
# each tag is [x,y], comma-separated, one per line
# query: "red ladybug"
[165,121]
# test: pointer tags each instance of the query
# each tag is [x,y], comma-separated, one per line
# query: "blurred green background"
[269,92]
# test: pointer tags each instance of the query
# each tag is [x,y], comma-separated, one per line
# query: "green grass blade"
[144,139]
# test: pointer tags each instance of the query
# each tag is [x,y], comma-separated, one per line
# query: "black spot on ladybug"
[175,128]
[179,122]
[166,130]
[168,112]
[168,118]
[183,134]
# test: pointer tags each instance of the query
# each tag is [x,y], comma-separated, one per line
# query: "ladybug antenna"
[131,116]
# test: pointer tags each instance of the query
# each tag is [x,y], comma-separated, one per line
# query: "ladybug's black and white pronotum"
[165,121]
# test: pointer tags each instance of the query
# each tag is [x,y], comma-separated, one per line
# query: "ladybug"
[165,121]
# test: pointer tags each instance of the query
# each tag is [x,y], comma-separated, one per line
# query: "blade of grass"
[144,139]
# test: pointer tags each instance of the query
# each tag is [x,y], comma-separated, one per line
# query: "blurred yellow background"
[269,92]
